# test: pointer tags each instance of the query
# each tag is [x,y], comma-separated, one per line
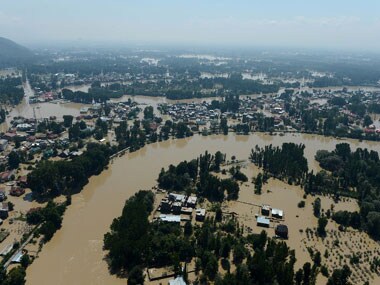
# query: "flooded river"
[75,255]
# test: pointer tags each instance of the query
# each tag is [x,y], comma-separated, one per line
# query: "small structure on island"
[177,281]
[176,207]
[17,257]
[3,196]
[165,206]
[170,218]
[200,214]
[186,210]
[16,191]
[263,222]
[282,231]
[265,210]
[4,210]
[191,201]
[277,213]
[6,250]
[177,198]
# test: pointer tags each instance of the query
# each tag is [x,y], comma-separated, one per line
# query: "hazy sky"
[349,24]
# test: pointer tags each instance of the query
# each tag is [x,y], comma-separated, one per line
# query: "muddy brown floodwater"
[75,255]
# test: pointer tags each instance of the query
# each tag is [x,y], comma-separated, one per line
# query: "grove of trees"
[54,178]
[195,176]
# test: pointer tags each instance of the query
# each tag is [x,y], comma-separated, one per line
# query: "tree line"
[285,162]
[355,174]
[11,91]
[97,94]
[54,178]
[195,176]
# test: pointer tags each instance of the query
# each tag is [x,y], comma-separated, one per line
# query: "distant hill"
[13,54]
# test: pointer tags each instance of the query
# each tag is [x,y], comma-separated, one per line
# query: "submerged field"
[301,222]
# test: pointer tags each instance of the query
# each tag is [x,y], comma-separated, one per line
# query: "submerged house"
[191,201]
[277,213]
[4,211]
[282,231]
[170,218]
[176,207]
[17,191]
[200,214]
[263,222]
[265,210]
[177,281]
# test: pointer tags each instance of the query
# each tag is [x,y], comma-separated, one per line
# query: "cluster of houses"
[198,113]
[201,114]
[267,214]
[179,207]
[118,112]
[41,96]
[23,132]
[34,143]
[16,190]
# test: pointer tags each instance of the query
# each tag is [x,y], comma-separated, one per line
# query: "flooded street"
[58,109]
[75,255]
[39,110]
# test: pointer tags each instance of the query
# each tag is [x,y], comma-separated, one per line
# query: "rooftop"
[170,218]
[263,220]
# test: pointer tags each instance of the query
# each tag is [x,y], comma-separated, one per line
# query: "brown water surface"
[75,255]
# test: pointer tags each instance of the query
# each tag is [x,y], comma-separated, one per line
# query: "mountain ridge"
[13,54]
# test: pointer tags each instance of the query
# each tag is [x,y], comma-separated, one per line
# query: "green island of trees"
[11,90]
[97,93]
[354,174]
[195,176]
[53,178]
[133,244]
[286,162]
[346,173]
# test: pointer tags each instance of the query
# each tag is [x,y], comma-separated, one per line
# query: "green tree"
[3,275]
[225,248]
[11,206]
[16,276]
[219,158]
[258,184]
[74,132]
[148,113]
[224,126]
[68,120]
[13,160]
[367,121]
[306,273]
[25,260]
[317,259]
[188,229]
[340,276]
[239,253]
[317,207]
[136,276]
[299,277]
[211,267]
[218,213]
[322,223]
